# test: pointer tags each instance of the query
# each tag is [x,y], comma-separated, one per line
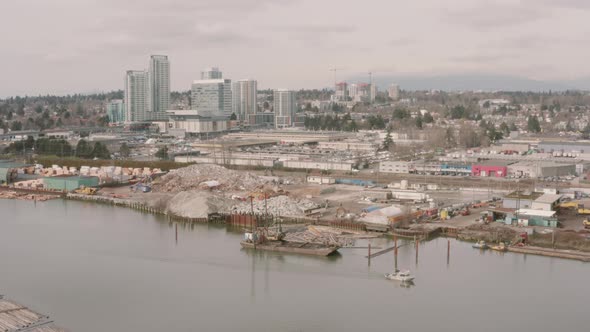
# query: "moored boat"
[398,275]
[480,245]
[500,247]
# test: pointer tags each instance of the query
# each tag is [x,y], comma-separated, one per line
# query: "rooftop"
[537,213]
[548,198]
[494,163]
[524,195]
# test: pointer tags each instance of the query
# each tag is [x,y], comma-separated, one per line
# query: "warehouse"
[226,160]
[69,183]
[323,165]
[529,169]
[520,200]
[565,147]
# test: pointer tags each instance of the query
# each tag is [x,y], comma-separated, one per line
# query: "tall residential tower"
[244,93]
[284,108]
[159,87]
[212,73]
[136,96]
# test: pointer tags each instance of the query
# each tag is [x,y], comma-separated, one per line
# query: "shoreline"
[429,233]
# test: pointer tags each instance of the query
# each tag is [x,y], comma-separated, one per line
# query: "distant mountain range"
[475,82]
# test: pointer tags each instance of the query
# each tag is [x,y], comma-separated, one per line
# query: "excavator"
[586,223]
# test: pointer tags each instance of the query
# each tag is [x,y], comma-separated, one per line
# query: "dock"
[15,317]
[559,253]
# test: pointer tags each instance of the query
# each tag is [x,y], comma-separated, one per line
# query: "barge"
[305,248]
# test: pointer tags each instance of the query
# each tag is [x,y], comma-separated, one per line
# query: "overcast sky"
[69,46]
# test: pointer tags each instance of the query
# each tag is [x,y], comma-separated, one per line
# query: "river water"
[97,268]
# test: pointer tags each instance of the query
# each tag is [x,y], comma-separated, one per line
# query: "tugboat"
[403,276]
[481,245]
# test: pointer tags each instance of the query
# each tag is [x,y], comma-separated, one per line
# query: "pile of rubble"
[192,177]
[279,205]
[320,234]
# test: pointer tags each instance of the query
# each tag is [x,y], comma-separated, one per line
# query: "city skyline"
[507,37]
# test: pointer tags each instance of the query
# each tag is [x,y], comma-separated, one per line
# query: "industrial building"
[493,168]
[529,169]
[564,147]
[69,183]
[547,202]
[520,200]
[322,165]
[390,166]
[349,146]
[226,160]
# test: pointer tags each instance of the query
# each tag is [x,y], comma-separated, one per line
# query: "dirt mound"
[195,176]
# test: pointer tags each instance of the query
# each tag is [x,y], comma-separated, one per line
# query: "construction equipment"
[586,223]
[582,210]
[568,205]
[85,191]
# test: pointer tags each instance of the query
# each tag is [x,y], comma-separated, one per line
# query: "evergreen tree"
[533,124]
[162,153]
[124,150]
[388,141]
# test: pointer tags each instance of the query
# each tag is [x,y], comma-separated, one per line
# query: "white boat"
[399,276]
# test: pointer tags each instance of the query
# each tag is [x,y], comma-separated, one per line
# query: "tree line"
[60,148]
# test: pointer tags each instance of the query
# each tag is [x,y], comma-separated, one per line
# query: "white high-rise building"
[159,87]
[244,94]
[212,97]
[393,91]
[212,73]
[136,96]
[284,108]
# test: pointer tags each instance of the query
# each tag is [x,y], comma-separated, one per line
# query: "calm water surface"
[96,268]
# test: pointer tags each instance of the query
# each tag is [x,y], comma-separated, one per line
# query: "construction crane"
[335,69]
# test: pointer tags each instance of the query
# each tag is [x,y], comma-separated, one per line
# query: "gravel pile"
[279,205]
[191,177]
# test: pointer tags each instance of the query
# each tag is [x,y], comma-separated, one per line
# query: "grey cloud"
[481,58]
[494,15]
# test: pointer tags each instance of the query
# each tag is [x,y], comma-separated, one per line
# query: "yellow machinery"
[586,223]
[568,205]
[85,191]
[582,210]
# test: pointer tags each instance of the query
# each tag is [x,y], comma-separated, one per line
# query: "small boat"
[480,245]
[398,275]
[500,247]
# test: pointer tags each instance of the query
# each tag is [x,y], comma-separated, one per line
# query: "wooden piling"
[395,250]
[369,256]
